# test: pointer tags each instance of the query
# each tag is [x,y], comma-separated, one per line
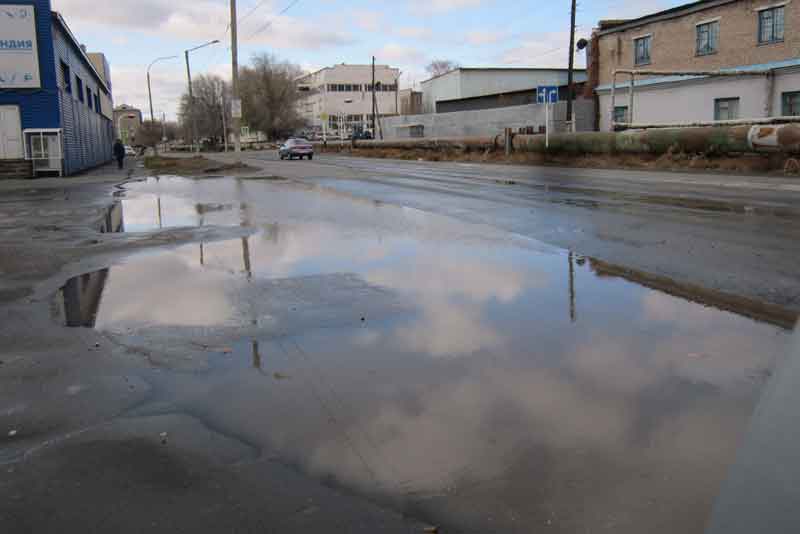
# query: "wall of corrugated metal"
[38,107]
[87,133]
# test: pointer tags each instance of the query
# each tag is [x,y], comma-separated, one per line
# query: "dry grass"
[732,164]
[194,165]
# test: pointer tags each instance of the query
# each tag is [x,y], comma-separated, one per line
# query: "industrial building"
[754,39]
[127,121]
[343,94]
[476,88]
[55,106]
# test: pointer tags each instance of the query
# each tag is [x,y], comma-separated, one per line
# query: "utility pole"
[191,98]
[236,103]
[374,102]
[224,126]
[570,85]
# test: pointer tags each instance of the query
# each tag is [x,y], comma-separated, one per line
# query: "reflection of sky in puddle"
[468,392]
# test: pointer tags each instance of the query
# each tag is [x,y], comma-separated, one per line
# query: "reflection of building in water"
[79,298]
[746,307]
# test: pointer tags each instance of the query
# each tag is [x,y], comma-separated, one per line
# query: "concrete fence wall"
[488,122]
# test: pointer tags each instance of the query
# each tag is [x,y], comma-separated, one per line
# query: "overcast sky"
[314,33]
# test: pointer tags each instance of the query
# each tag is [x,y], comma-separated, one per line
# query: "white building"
[344,93]
[491,83]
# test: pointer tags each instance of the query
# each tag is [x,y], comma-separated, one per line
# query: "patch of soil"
[194,165]
[730,164]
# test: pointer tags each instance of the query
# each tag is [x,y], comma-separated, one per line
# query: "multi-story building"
[343,93]
[761,37]
[55,107]
[410,102]
[127,121]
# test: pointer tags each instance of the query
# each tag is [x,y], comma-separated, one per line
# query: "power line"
[269,23]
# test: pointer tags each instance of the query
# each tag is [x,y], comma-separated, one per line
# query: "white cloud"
[482,37]
[202,20]
[413,32]
[367,20]
[397,53]
[439,6]
[542,50]
[630,10]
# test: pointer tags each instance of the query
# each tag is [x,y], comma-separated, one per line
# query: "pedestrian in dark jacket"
[119,152]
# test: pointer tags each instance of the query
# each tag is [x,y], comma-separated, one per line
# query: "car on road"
[129,150]
[296,147]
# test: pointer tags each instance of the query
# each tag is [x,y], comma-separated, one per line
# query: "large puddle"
[483,380]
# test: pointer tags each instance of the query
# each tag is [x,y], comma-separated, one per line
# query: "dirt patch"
[670,161]
[196,165]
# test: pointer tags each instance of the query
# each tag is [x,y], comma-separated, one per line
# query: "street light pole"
[191,97]
[149,91]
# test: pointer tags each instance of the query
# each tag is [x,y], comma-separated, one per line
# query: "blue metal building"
[57,119]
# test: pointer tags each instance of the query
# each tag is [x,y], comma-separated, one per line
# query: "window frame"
[712,38]
[785,96]
[624,113]
[726,100]
[772,11]
[66,74]
[79,88]
[642,39]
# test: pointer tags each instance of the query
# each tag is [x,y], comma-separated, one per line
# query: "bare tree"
[149,133]
[211,97]
[269,95]
[437,67]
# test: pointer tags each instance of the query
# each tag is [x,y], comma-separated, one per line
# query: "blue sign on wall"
[547,94]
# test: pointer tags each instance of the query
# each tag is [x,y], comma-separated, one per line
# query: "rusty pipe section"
[434,143]
[704,140]
[710,140]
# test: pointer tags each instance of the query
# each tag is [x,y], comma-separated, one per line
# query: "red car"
[296,148]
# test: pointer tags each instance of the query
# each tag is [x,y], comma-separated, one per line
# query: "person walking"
[119,153]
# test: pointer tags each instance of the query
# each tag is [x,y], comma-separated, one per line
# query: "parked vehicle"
[296,147]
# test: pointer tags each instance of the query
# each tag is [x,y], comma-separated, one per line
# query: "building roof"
[685,78]
[61,22]
[505,67]
[369,65]
[674,12]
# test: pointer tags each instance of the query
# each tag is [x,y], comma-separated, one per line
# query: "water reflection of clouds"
[642,400]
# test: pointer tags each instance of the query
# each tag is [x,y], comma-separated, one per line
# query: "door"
[10,133]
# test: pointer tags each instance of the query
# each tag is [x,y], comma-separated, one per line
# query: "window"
[66,77]
[707,38]
[79,88]
[89,97]
[791,104]
[97,102]
[726,109]
[621,114]
[770,25]
[642,49]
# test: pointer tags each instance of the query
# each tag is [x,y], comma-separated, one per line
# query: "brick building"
[739,35]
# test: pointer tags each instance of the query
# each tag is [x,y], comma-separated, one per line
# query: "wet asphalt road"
[735,235]
[377,346]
